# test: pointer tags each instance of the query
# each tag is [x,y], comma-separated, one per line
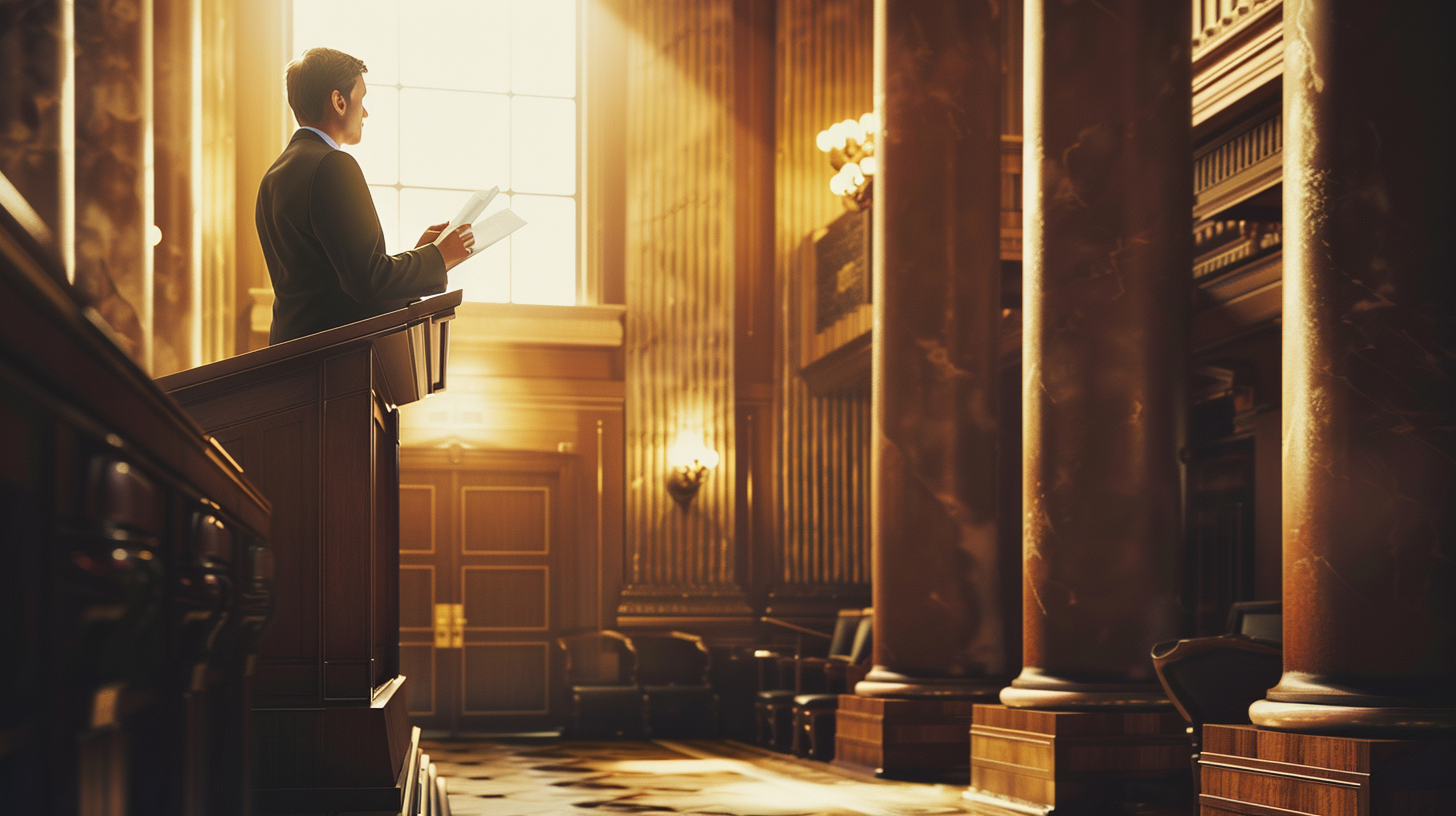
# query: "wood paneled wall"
[680,263]
[825,75]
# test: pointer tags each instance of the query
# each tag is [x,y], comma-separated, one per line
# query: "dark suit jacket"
[324,247]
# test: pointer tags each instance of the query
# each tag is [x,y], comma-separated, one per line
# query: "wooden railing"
[1232,156]
[1213,18]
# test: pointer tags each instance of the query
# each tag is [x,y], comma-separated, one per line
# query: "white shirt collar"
[328,141]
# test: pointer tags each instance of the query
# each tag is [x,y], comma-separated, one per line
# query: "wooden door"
[483,544]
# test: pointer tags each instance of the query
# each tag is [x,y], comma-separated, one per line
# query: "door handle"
[457,628]
[449,626]
[443,618]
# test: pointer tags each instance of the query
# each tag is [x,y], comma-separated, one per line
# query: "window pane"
[386,203]
[543,253]
[454,139]
[486,276]
[420,208]
[447,44]
[366,29]
[543,145]
[378,149]
[543,47]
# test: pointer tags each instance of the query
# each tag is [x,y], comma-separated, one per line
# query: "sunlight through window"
[466,95]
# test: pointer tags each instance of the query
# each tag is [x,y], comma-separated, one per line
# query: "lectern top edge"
[436,309]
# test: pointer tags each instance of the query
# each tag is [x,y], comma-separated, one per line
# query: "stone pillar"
[174,258]
[33,55]
[941,627]
[1107,264]
[1108,177]
[113,167]
[1369,394]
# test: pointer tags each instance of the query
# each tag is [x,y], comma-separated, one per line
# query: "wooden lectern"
[314,423]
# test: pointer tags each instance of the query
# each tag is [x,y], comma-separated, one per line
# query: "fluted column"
[680,264]
[1369,396]
[1108,186]
[939,623]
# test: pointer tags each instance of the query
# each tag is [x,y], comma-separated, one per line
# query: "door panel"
[423,584]
[482,553]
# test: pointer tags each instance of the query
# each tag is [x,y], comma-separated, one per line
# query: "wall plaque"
[842,268]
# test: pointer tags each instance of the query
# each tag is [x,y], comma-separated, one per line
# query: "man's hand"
[431,234]
[456,246]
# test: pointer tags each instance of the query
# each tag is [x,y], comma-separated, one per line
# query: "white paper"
[494,227]
[478,201]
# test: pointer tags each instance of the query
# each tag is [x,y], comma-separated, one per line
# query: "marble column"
[113,167]
[32,51]
[941,628]
[1108,186]
[1107,262]
[1369,372]
[174,258]
[939,622]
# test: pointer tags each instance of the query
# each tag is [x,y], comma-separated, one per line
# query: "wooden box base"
[903,738]
[340,759]
[1067,762]
[1253,772]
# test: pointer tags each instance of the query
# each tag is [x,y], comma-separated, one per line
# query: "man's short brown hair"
[313,79]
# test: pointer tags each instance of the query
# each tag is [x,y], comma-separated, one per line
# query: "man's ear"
[338,102]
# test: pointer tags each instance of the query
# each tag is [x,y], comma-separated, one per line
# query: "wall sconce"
[688,463]
[851,148]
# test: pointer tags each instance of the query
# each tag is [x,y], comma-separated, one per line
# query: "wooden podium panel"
[314,423]
[133,569]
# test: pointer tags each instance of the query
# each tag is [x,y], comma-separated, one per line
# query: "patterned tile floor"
[530,776]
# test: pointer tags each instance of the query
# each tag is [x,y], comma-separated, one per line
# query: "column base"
[1353,720]
[924,739]
[1075,762]
[1246,769]
[1037,690]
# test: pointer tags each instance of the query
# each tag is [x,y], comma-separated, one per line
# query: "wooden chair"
[1216,679]
[799,675]
[672,672]
[603,696]
[814,714]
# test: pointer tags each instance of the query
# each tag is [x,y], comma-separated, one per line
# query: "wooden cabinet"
[314,422]
[134,572]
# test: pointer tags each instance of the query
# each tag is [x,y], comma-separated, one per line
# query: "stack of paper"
[487,230]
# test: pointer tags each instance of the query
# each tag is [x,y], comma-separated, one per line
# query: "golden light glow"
[488,98]
[851,148]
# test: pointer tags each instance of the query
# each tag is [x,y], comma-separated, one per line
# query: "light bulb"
[154,232]
[824,141]
[856,177]
[856,131]
[869,122]
[868,165]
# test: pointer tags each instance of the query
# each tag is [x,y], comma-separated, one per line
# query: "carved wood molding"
[1244,54]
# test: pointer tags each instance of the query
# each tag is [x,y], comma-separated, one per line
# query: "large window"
[467,95]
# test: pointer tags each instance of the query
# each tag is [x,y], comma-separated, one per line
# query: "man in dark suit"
[316,220]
